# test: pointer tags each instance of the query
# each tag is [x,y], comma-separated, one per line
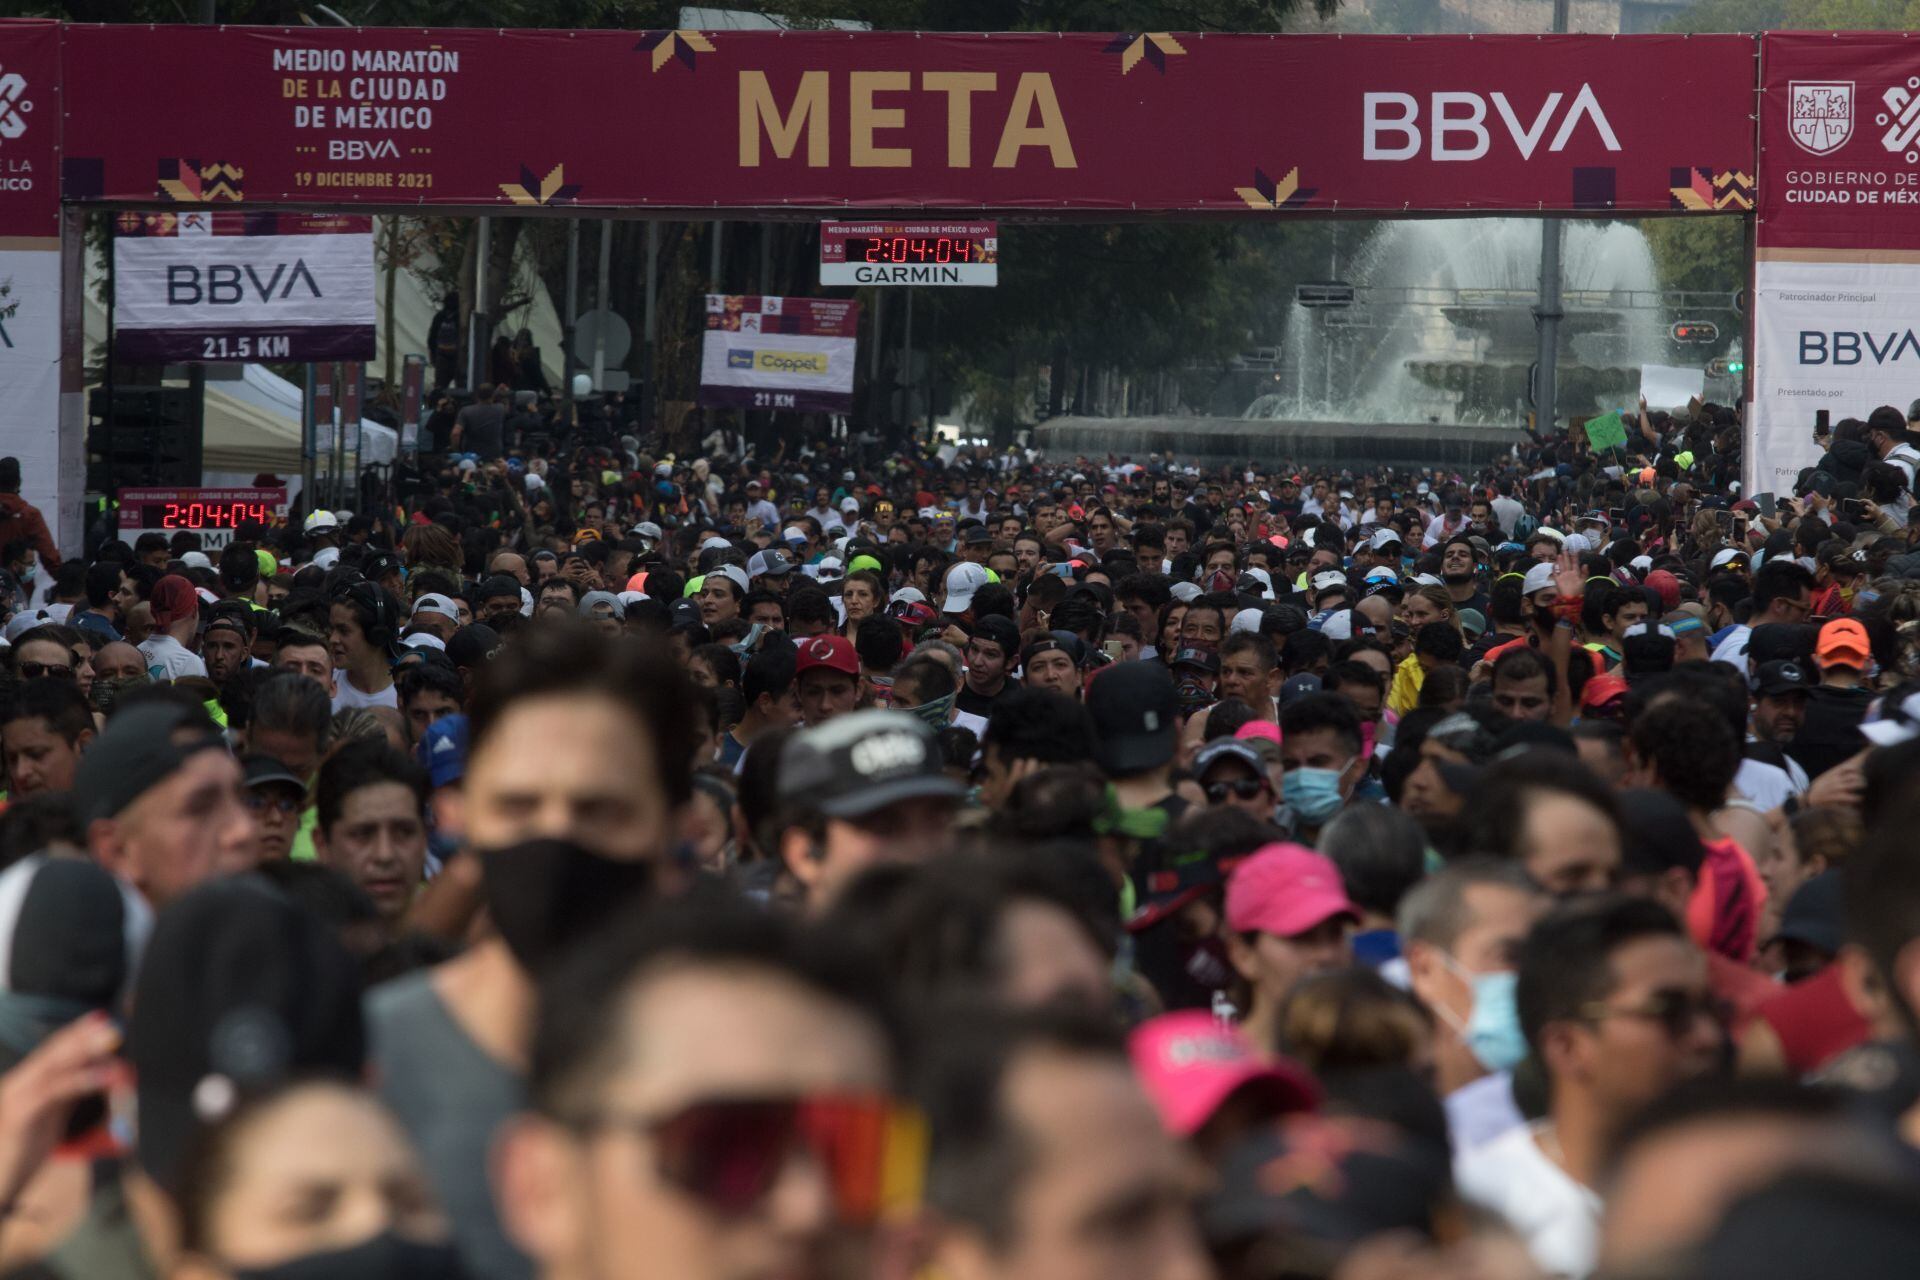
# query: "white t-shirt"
[1733,650]
[168,659]
[1482,1110]
[1768,786]
[345,695]
[1557,1217]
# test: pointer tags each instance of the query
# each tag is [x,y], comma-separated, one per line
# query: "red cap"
[1668,586]
[1843,642]
[172,599]
[1600,690]
[1190,1063]
[1285,890]
[833,652]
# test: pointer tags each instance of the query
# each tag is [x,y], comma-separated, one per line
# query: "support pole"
[573,315]
[1546,313]
[476,342]
[648,325]
[600,303]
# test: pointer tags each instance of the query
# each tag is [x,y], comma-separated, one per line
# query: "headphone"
[368,598]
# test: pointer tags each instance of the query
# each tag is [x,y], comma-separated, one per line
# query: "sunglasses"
[1244,788]
[1675,1011]
[42,670]
[260,802]
[729,1153]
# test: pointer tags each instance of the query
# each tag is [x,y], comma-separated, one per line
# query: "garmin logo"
[228,284]
[1857,346]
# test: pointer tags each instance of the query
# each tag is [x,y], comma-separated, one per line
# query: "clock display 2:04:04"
[942,249]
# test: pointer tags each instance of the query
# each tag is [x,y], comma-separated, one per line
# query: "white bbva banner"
[245,287]
[1838,336]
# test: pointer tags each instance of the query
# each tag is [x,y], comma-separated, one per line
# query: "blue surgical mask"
[1312,794]
[1492,1032]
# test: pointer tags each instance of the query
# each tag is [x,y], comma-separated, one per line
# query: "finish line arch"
[798,124]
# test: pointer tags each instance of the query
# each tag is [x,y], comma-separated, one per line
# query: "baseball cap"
[1133,705]
[1843,643]
[912,614]
[1539,578]
[1329,580]
[1473,623]
[835,653]
[264,770]
[1600,690]
[963,580]
[1190,1064]
[196,560]
[999,630]
[594,598]
[140,748]
[1299,687]
[1228,749]
[240,989]
[434,602]
[1185,592]
[1285,890]
[771,563]
[443,750]
[732,573]
[1384,537]
[1256,581]
[172,599]
[1726,556]
[977,536]
[646,529]
[472,644]
[319,522]
[1056,642]
[1205,658]
[1783,677]
[862,762]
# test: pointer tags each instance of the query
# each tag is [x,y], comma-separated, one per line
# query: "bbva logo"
[1457,124]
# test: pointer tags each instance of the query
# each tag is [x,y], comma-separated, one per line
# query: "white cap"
[1656,629]
[793,533]
[963,580]
[1338,625]
[829,569]
[326,557]
[732,573]
[1889,726]
[630,598]
[318,521]
[1727,555]
[196,560]
[1552,532]
[1245,620]
[1262,577]
[1641,564]
[1576,543]
[1429,580]
[646,529]
[716,543]
[526,603]
[1185,592]
[1539,578]
[20,624]
[1384,537]
[1423,488]
[1382,574]
[907,595]
[434,602]
[534,483]
[850,503]
[424,640]
[1328,580]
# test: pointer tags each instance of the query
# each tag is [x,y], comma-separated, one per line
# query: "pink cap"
[1285,890]
[1189,1063]
[1258,729]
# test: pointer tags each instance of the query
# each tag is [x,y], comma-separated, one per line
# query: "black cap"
[472,645]
[977,536]
[1775,679]
[1134,706]
[1201,656]
[857,764]
[140,748]
[240,989]
[264,770]
[1779,641]
[1813,914]
[1659,835]
[64,936]
[499,584]
[1000,630]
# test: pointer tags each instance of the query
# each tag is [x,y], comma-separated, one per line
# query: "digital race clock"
[936,253]
[212,513]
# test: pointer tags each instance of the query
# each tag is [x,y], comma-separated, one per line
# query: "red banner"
[827,120]
[29,129]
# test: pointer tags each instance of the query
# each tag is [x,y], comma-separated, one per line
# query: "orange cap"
[1843,643]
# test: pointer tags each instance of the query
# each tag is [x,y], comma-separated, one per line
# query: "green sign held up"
[1606,431]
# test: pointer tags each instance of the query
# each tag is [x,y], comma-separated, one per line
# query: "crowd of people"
[787,863]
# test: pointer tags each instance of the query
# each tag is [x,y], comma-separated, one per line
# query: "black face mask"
[385,1257]
[545,894]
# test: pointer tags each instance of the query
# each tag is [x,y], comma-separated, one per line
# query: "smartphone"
[1114,650]
[1821,419]
[1765,501]
[1740,529]
[1616,516]
[1723,515]
[1852,509]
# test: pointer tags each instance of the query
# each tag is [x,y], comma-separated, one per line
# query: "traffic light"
[1695,331]
[1726,367]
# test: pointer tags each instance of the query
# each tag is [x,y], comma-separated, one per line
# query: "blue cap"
[443,750]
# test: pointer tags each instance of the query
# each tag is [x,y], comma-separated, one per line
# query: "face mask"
[1492,1031]
[385,1257]
[935,712]
[1313,794]
[543,894]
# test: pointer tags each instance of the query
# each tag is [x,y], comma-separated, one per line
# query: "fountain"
[1442,328]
